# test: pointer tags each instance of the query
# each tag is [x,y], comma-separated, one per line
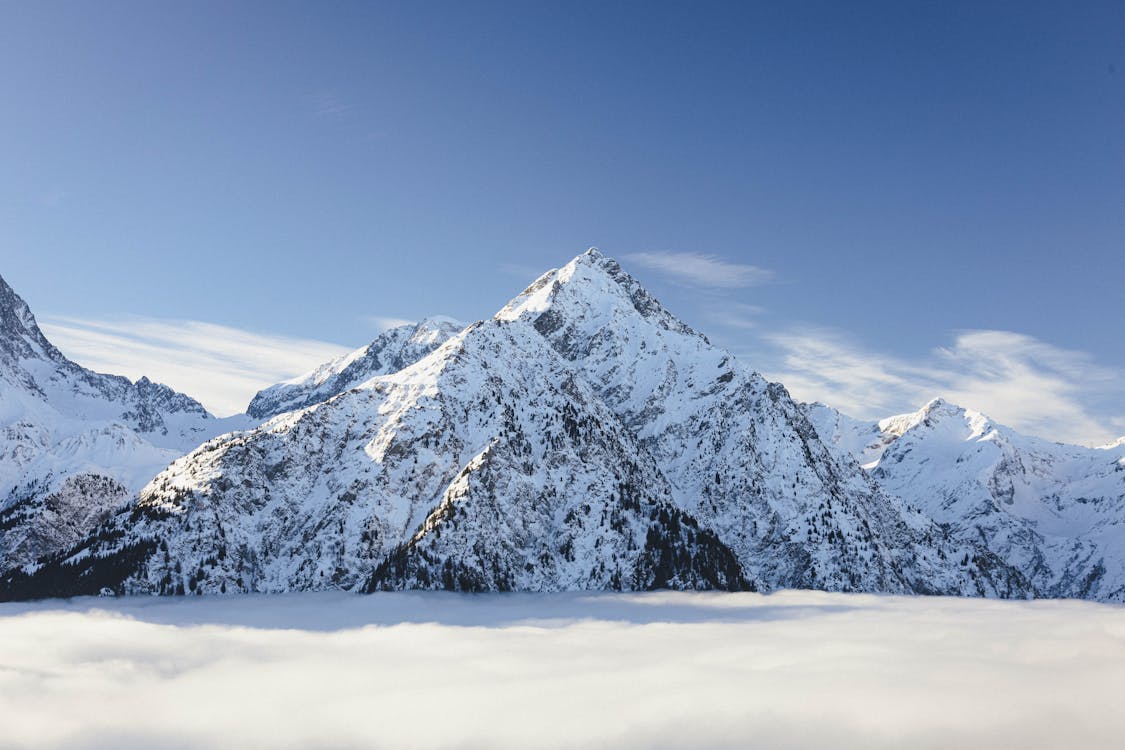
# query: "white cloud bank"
[220,366]
[1032,386]
[701,270]
[661,670]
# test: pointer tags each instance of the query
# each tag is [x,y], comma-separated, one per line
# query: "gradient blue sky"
[926,192]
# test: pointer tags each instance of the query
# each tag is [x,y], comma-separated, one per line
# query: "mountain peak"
[391,351]
[593,287]
[938,411]
[20,336]
[939,407]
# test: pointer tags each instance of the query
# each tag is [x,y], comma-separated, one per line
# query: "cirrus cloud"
[1028,384]
[220,366]
[702,270]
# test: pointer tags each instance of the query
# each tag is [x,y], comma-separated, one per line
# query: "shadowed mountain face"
[74,443]
[583,438]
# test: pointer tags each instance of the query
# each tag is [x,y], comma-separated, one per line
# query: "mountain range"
[581,438]
[74,443]
[1056,512]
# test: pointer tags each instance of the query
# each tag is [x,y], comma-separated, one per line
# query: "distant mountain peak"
[935,403]
[390,351]
[937,411]
[20,336]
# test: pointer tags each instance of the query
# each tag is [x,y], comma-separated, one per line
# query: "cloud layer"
[662,670]
[697,269]
[222,367]
[1018,380]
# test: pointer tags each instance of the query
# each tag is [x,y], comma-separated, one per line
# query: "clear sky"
[874,202]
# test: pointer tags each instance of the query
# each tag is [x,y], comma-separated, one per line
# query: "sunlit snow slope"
[1055,512]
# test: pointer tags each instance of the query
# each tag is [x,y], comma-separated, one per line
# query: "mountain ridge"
[1054,511]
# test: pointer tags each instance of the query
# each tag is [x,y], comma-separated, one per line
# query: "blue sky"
[907,197]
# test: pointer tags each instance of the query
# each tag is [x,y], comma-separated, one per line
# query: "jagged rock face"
[738,453]
[462,471]
[582,439]
[71,439]
[44,521]
[1054,512]
[30,366]
[390,352]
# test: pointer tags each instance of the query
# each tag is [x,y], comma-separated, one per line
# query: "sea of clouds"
[659,670]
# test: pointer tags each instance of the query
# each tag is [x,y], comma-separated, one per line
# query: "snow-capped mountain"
[390,352]
[461,471]
[737,452]
[75,443]
[583,438]
[1055,512]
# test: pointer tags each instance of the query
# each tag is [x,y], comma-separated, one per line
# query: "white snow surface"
[794,669]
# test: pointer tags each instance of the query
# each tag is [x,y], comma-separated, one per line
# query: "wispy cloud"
[54,197]
[330,104]
[1023,382]
[698,269]
[734,314]
[222,367]
[385,323]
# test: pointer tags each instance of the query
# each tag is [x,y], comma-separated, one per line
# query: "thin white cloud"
[792,670]
[701,270]
[220,366]
[386,323]
[1032,386]
[54,197]
[330,104]
[734,314]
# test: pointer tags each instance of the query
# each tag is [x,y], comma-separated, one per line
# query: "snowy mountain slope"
[738,453]
[390,352]
[1056,512]
[485,466]
[75,443]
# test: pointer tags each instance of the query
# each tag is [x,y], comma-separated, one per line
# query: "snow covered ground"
[661,670]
